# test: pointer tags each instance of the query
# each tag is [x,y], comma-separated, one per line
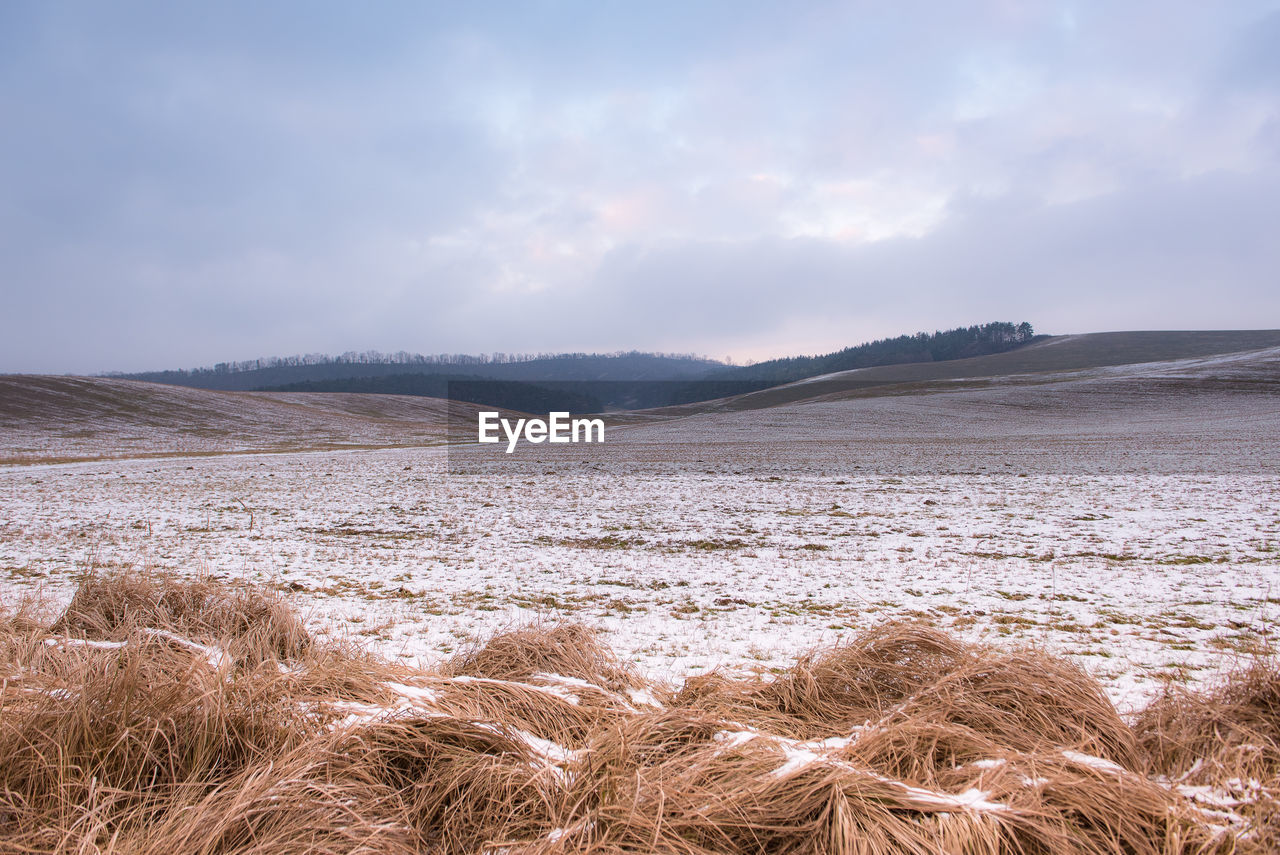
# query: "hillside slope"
[1211,415]
[1092,376]
[1058,355]
[59,418]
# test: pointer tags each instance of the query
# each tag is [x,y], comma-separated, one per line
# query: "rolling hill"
[264,375]
[1043,361]
[49,419]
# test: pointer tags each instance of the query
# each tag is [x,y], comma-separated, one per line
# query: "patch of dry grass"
[159,715]
[1221,747]
[252,623]
[829,691]
[569,649]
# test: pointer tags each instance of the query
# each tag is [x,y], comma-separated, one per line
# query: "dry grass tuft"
[251,623]
[286,807]
[1221,747]
[568,649]
[828,692]
[90,732]
[680,782]
[457,783]
[1237,720]
[1024,701]
[156,715]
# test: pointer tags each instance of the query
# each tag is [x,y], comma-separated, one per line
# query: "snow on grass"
[1146,548]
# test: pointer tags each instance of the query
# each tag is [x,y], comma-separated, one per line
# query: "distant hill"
[958,343]
[48,419]
[631,381]
[1042,360]
[538,396]
[288,372]
[84,418]
[366,372]
[580,381]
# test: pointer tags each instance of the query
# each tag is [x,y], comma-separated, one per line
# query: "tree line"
[651,379]
[938,346]
[374,357]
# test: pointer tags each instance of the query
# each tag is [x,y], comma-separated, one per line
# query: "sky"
[184,184]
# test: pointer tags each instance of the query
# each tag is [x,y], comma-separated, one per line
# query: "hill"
[941,346]
[317,371]
[644,381]
[414,374]
[1035,362]
[45,419]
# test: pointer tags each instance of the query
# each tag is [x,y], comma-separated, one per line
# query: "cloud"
[184,186]
[1134,259]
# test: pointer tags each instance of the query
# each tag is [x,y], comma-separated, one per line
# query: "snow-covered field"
[1135,529]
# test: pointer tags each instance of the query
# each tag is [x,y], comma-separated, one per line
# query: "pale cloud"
[187,186]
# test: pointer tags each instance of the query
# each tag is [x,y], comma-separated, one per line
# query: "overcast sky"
[233,180]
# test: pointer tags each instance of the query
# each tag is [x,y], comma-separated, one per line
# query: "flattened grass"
[158,714]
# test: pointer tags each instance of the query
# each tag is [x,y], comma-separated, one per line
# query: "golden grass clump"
[1221,746]
[1022,701]
[1074,802]
[287,806]
[158,715]
[1236,721]
[550,712]
[868,675]
[828,692]
[567,649]
[91,732]
[457,783]
[684,782]
[678,781]
[249,622]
